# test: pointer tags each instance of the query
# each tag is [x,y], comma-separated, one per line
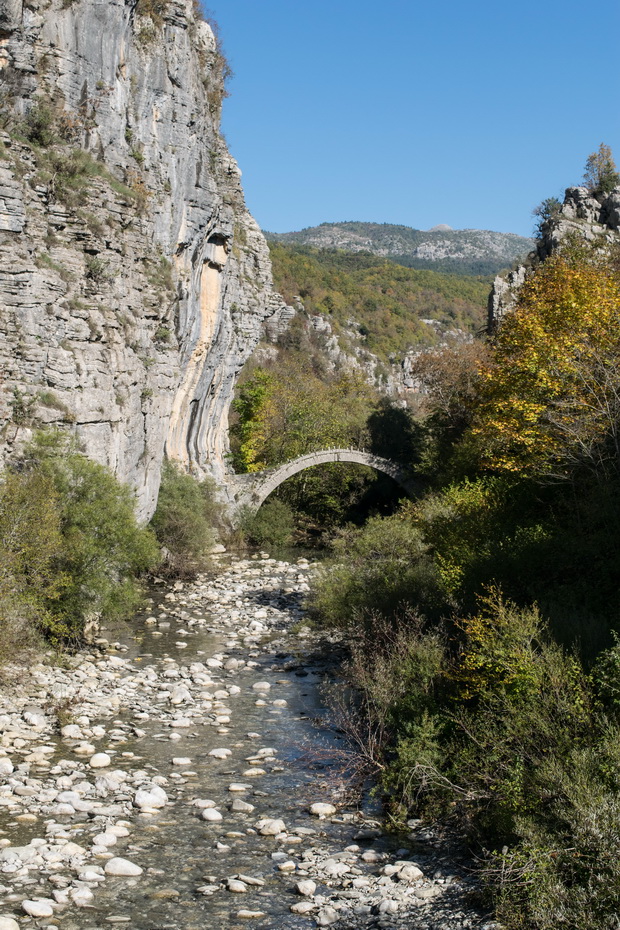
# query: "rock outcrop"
[133,281]
[584,214]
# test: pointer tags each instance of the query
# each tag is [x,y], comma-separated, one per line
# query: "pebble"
[303,907]
[165,894]
[322,810]
[41,907]
[212,815]
[410,873]
[155,797]
[271,827]
[105,839]
[119,866]
[98,798]
[82,897]
[236,886]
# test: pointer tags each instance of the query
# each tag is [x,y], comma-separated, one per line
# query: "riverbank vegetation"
[71,551]
[483,617]
[185,522]
[70,547]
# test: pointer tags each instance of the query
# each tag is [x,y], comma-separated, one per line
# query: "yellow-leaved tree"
[549,398]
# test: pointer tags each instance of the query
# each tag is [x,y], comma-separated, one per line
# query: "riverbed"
[182,774]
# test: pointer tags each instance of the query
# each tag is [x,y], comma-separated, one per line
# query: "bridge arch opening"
[330,488]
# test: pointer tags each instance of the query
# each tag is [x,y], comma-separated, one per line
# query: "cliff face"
[583,214]
[133,281]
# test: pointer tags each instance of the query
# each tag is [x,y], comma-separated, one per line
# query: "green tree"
[601,174]
[184,520]
[249,430]
[103,549]
[545,211]
[30,547]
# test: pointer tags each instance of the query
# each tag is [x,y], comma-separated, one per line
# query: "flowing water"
[225,664]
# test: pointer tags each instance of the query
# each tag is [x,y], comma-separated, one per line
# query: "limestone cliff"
[133,281]
[585,214]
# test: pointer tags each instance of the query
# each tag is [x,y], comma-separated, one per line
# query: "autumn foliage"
[548,396]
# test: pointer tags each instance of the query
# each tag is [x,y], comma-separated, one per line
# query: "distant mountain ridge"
[459,251]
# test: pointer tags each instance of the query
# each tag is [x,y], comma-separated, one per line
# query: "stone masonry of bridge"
[251,490]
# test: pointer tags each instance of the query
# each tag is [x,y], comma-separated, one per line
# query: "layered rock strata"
[133,281]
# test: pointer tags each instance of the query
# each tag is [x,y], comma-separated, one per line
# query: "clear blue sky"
[466,113]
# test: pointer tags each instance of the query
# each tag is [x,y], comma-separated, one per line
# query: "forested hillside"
[394,309]
[454,251]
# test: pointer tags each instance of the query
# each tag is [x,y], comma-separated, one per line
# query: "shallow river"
[212,699]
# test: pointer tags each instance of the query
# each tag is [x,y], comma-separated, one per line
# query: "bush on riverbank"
[30,543]
[272,525]
[185,521]
[512,561]
[376,569]
[488,724]
[70,547]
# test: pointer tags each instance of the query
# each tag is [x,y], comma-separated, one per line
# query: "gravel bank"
[161,780]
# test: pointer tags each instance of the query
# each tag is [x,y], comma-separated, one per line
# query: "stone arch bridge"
[251,490]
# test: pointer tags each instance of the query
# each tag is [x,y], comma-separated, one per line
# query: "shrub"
[67,174]
[39,125]
[156,9]
[184,521]
[103,549]
[30,547]
[96,269]
[271,526]
[606,677]
[22,407]
[376,570]
[565,870]
[390,711]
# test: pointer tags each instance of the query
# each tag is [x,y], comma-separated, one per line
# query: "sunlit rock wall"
[133,280]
